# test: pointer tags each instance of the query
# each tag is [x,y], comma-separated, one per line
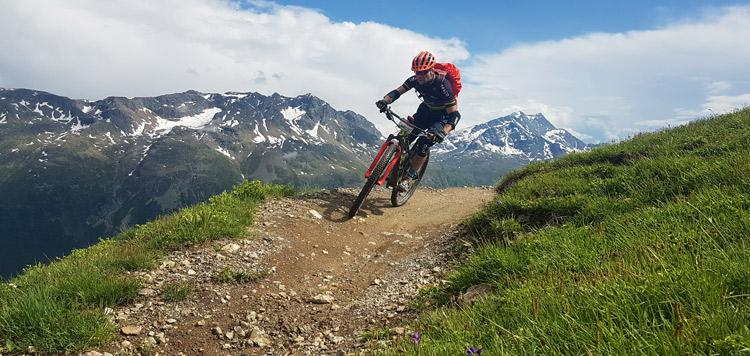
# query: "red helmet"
[423,61]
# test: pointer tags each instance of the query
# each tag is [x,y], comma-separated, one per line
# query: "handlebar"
[398,119]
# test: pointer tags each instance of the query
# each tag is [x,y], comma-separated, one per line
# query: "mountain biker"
[438,112]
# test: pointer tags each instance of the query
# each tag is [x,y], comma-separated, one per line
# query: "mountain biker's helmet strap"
[423,61]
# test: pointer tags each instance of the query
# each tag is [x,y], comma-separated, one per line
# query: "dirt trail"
[330,278]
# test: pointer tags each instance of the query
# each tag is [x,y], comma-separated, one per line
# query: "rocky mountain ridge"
[516,135]
[74,170]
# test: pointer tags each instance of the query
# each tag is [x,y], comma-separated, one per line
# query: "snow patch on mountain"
[314,131]
[224,152]
[235,95]
[291,114]
[194,122]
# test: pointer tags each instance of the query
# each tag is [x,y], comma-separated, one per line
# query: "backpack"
[452,73]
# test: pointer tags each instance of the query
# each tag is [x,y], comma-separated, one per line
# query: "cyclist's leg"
[422,119]
[431,120]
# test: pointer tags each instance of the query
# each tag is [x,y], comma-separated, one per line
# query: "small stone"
[131,330]
[92,353]
[171,321]
[231,248]
[315,214]
[258,337]
[475,293]
[147,292]
[398,331]
[321,299]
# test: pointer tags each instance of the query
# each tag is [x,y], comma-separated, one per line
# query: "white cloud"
[716,105]
[718,86]
[612,85]
[91,49]
[600,86]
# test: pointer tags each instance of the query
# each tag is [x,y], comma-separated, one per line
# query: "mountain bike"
[392,163]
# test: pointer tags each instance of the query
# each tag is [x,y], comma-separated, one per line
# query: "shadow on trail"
[337,204]
[372,206]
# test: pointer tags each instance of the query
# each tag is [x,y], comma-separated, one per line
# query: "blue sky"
[603,70]
[489,26]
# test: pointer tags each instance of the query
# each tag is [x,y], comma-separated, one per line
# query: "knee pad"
[423,146]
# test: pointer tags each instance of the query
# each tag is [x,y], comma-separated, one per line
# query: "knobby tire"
[399,198]
[375,175]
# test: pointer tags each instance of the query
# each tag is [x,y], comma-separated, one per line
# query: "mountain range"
[485,152]
[72,171]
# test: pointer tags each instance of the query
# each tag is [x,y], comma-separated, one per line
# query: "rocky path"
[327,278]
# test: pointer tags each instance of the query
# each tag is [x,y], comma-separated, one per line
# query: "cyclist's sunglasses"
[423,72]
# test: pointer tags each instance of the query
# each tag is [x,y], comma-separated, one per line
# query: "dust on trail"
[331,278]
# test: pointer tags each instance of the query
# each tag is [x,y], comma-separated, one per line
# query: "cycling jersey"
[437,94]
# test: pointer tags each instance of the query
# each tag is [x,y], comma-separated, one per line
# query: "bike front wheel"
[399,198]
[372,180]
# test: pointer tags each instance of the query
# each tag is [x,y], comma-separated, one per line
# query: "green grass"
[382,333]
[637,248]
[59,307]
[228,275]
[176,291]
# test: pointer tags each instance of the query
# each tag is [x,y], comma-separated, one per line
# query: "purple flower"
[473,351]
[415,337]
[499,202]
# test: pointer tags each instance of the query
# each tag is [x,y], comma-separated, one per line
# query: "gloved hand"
[382,105]
[438,136]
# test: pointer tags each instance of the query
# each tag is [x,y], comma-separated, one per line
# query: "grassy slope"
[61,307]
[642,247]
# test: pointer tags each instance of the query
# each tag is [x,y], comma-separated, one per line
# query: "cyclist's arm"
[450,110]
[388,97]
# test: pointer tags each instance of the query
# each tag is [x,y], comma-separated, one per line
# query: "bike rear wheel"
[399,198]
[372,180]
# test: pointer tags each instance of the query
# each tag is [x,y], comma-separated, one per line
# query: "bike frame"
[400,139]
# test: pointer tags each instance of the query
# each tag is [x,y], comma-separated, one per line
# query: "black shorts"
[430,120]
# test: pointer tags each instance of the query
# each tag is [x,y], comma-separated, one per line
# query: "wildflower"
[473,351]
[415,337]
[499,202]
